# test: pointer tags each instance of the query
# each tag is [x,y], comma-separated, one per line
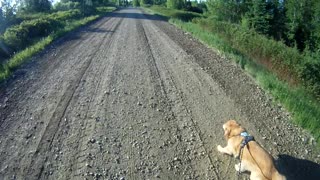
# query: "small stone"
[88,165]
[28,136]
[92,140]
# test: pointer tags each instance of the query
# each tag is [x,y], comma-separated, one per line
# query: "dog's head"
[232,128]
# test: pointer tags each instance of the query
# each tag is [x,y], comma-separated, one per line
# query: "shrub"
[175,4]
[288,63]
[185,16]
[16,37]
[20,36]
[310,74]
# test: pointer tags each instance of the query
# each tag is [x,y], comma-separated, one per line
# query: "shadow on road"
[298,169]
[138,16]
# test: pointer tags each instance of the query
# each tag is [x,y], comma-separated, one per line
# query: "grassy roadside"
[23,56]
[304,108]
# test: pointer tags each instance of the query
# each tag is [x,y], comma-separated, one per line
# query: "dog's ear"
[227,133]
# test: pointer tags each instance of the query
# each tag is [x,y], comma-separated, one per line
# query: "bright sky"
[13,1]
[55,1]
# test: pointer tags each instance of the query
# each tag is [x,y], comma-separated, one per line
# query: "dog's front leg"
[243,167]
[225,150]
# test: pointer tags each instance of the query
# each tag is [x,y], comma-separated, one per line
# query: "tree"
[258,17]
[37,5]
[301,16]
[7,15]
[227,10]
[277,20]
[316,27]
[159,2]
[2,21]
[175,4]
[136,3]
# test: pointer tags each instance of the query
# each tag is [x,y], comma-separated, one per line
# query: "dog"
[253,157]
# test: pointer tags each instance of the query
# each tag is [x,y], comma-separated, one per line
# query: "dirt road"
[132,97]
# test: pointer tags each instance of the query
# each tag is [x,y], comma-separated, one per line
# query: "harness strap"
[245,141]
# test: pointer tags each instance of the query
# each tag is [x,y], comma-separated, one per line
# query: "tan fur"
[254,158]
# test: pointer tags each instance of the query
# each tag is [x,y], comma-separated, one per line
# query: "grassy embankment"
[37,31]
[289,76]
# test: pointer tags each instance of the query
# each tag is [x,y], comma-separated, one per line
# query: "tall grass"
[173,13]
[305,109]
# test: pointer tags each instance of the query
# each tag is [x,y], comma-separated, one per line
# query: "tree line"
[295,22]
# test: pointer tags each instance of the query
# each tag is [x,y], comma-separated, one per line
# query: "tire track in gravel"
[180,98]
[74,163]
[181,88]
[25,115]
[49,134]
[68,41]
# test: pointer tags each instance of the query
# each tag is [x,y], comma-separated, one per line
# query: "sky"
[13,1]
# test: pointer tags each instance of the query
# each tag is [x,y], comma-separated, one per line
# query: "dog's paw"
[237,167]
[220,148]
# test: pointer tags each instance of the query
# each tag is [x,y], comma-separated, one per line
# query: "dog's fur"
[253,159]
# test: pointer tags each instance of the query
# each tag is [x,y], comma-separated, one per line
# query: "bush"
[16,37]
[136,3]
[288,63]
[185,16]
[175,4]
[20,36]
[310,74]
[66,15]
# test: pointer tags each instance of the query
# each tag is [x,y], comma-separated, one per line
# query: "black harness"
[245,141]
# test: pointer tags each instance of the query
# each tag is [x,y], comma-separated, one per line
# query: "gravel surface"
[132,97]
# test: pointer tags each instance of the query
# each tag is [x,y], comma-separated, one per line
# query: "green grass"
[173,13]
[21,57]
[304,108]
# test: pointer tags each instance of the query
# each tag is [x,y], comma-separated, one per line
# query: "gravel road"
[132,97]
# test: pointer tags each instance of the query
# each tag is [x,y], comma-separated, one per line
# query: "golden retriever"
[253,157]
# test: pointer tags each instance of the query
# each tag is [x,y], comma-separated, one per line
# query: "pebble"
[88,165]
[92,140]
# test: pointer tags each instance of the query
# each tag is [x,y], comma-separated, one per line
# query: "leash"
[240,155]
[246,140]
